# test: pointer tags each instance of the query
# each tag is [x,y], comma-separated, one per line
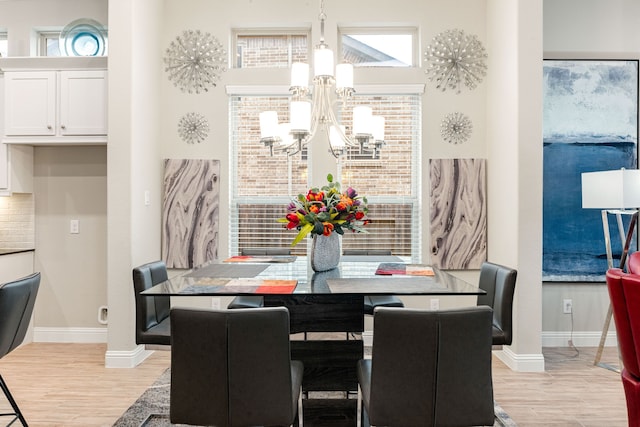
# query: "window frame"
[414,199]
[348,30]
[290,31]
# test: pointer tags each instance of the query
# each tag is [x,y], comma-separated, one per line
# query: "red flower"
[328,228]
[359,215]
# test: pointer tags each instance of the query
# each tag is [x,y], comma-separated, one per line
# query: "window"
[270,49]
[379,47]
[263,185]
[48,43]
[4,44]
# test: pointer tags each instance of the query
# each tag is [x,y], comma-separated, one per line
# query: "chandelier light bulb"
[299,74]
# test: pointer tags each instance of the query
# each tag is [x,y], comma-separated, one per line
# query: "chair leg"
[359,406]
[14,405]
[300,413]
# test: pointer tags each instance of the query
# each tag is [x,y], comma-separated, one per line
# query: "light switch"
[74,226]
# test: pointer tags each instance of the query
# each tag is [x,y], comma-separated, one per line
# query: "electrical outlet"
[567,306]
[435,303]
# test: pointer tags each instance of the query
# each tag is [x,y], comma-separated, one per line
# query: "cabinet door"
[83,102]
[30,103]
[4,167]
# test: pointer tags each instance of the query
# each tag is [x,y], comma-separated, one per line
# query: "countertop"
[14,251]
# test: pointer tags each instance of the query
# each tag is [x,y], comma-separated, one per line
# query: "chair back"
[17,299]
[634,262]
[150,310]
[431,367]
[231,367]
[265,251]
[624,334]
[499,283]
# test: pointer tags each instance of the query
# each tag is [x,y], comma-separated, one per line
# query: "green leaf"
[306,229]
[329,178]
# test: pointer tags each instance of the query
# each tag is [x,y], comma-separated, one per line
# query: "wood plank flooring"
[68,385]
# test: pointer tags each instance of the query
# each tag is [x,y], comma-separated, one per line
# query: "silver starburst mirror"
[456,128]
[193,127]
[194,61]
[455,59]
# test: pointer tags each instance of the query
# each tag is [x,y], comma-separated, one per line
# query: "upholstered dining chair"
[428,368]
[17,299]
[499,283]
[624,294]
[152,312]
[233,368]
[373,301]
[634,262]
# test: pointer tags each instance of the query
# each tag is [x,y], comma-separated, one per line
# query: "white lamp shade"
[378,127]
[344,76]
[323,62]
[299,74]
[284,132]
[362,123]
[335,138]
[268,124]
[300,114]
[615,189]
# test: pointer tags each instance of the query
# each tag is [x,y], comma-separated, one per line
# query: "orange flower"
[346,200]
[314,209]
[328,228]
[341,207]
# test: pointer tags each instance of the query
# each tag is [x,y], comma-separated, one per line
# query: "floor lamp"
[615,192]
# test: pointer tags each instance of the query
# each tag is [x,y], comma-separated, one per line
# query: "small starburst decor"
[193,127]
[455,59]
[194,61]
[456,128]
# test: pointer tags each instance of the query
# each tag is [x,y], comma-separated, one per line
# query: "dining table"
[326,311]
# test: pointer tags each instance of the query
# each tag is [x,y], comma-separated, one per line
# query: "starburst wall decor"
[194,61]
[456,128]
[193,127]
[455,59]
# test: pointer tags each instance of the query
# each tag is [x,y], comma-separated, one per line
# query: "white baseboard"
[126,359]
[521,362]
[70,335]
[580,339]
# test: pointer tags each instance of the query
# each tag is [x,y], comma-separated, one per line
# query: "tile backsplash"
[17,221]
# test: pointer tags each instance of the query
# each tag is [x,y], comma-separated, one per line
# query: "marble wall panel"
[458,221]
[190,212]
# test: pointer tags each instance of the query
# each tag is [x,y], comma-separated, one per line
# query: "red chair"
[624,292]
[634,263]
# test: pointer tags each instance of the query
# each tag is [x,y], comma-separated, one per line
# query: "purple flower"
[351,193]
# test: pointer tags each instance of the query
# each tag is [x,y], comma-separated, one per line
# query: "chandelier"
[313,109]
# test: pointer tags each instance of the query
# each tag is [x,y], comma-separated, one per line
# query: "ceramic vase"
[325,252]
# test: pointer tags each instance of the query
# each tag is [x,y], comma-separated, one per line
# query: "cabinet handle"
[49,127]
[63,126]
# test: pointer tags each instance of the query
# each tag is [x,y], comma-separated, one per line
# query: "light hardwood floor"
[68,385]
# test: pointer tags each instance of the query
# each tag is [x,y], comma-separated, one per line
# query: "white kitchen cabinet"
[56,106]
[16,169]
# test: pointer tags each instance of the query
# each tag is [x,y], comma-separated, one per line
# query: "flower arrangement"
[326,210]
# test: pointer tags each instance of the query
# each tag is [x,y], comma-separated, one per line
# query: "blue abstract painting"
[590,124]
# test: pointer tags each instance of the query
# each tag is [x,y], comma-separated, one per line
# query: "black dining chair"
[17,299]
[233,368]
[373,301]
[499,283]
[428,368]
[152,312]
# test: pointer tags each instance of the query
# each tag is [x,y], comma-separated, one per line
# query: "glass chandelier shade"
[311,109]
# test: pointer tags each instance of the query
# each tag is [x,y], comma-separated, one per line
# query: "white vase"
[325,252]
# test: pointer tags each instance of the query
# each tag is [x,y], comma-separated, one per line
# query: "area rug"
[152,408]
